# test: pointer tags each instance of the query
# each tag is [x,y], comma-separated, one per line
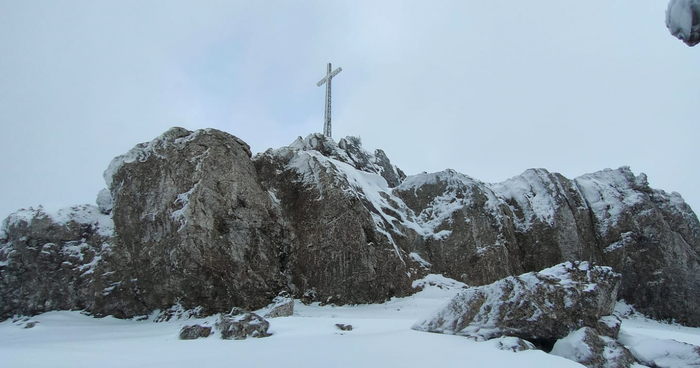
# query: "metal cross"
[327,81]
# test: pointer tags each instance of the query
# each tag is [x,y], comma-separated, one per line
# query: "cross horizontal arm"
[320,83]
[335,72]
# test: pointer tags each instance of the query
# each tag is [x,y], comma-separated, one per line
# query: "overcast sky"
[488,88]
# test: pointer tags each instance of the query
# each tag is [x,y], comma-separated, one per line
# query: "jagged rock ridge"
[199,222]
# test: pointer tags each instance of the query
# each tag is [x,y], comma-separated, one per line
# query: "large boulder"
[242,326]
[540,307]
[195,224]
[194,332]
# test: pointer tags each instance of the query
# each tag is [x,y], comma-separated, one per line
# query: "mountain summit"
[193,221]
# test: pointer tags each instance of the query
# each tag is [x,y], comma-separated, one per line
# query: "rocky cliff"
[193,220]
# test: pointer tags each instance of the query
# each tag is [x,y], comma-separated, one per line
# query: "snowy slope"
[381,337]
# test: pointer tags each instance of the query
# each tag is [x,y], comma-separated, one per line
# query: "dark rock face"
[49,263]
[537,306]
[242,326]
[195,224]
[341,248]
[194,332]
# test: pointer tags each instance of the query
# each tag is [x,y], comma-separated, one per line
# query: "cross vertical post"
[327,116]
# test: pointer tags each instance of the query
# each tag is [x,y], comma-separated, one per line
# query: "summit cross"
[327,81]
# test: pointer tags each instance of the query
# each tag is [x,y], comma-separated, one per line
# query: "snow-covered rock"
[332,223]
[683,20]
[344,224]
[104,201]
[194,332]
[585,346]
[54,259]
[479,233]
[514,344]
[538,306]
[196,226]
[242,326]
[281,307]
[663,352]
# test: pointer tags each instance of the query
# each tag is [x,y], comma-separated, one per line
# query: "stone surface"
[539,307]
[341,246]
[51,261]
[664,353]
[281,307]
[104,201]
[479,233]
[195,224]
[343,327]
[202,226]
[194,332]
[585,346]
[242,326]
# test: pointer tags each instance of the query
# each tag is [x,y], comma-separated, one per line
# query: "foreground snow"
[381,337]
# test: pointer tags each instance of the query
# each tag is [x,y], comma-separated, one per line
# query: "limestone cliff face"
[192,219]
[341,245]
[196,226]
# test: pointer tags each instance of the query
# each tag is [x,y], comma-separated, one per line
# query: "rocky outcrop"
[479,233]
[538,306]
[51,261]
[341,225]
[201,224]
[195,224]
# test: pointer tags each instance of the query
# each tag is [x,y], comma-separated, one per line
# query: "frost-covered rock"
[242,326]
[585,346]
[346,244]
[54,260]
[200,223]
[663,353]
[514,344]
[479,233]
[683,20]
[537,306]
[104,201]
[281,307]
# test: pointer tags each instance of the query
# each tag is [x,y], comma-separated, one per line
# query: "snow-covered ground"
[381,337]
